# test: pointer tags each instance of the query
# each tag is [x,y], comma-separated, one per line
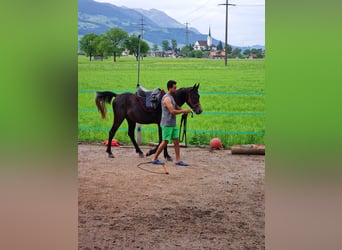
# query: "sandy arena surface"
[218,202]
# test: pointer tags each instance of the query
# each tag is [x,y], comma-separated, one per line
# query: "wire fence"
[83,127]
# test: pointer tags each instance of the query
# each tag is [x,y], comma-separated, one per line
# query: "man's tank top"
[167,118]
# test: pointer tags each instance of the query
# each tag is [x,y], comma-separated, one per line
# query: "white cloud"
[246,20]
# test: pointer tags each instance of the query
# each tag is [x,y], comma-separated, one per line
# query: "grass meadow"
[232,98]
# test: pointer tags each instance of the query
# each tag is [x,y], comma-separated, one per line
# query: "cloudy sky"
[246,20]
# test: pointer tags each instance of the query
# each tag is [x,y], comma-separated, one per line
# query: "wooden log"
[250,149]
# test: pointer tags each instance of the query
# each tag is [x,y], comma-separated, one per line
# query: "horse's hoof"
[168,158]
[148,153]
[141,155]
[111,156]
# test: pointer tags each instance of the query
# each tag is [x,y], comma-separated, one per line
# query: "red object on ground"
[215,143]
[114,143]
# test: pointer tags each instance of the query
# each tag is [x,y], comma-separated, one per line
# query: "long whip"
[147,170]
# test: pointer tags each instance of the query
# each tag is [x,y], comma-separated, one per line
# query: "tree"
[257,52]
[174,45]
[132,44]
[236,52]
[116,38]
[185,51]
[88,44]
[165,45]
[102,46]
[247,52]
[229,49]
[220,46]
[197,53]
[155,48]
[191,47]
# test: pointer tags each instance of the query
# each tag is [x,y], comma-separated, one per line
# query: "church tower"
[209,39]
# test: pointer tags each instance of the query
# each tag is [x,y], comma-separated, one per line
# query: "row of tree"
[166,45]
[231,53]
[113,42]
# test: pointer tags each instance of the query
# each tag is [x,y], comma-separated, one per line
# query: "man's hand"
[186,111]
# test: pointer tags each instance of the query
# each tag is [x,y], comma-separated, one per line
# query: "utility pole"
[140,36]
[226,33]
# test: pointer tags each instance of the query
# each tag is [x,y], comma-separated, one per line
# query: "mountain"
[96,17]
[160,18]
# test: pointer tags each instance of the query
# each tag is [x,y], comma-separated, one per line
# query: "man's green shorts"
[169,132]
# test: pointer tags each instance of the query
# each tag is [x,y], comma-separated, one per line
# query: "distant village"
[99,47]
[209,50]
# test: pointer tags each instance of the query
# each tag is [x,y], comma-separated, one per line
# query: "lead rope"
[182,137]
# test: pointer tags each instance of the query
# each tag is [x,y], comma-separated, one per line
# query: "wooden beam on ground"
[251,149]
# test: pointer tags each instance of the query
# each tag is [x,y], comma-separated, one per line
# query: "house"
[252,56]
[125,52]
[200,45]
[205,44]
[217,54]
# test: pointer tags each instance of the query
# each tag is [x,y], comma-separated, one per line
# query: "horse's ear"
[197,85]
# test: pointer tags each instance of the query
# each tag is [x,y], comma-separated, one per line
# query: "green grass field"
[232,97]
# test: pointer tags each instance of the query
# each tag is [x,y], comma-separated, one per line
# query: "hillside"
[95,17]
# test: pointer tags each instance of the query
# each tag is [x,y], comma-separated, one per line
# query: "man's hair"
[170,84]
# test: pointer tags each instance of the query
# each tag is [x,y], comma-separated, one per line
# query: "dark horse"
[126,106]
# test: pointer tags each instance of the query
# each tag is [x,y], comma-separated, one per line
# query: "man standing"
[168,123]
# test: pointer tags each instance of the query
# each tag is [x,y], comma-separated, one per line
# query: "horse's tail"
[101,98]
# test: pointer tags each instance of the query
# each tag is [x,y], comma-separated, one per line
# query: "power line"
[142,27]
[251,5]
[186,34]
[201,15]
[188,14]
[195,14]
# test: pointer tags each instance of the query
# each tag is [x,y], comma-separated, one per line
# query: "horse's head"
[192,99]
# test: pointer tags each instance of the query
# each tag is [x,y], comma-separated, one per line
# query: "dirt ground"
[218,202]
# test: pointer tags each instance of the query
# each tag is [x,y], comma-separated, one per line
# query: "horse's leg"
[166,154]
[154,150]
[131,128]
[118,119]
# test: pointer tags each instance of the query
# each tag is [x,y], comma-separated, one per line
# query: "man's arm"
[167,103]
